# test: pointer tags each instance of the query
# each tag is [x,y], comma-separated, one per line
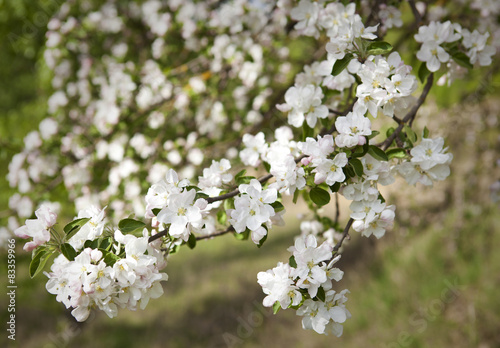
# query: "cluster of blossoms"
[437,44]
[306,285]
[107,272]
[337,155]
[429,162]
[252,209]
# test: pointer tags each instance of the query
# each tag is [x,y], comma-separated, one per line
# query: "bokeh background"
[431,282]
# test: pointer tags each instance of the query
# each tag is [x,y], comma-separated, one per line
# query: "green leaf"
[379,47]
[319,196]
[175,249]
[109,257]
[106,243]
[191,243]
[425,133]
[389,132]
[292,262]
[278,206]
[382,199]
[267,166]
[222,217]
[92,244]
[244,180]
[200,195]
[461,59]
[357,166]
[276,307]
[396,153]
[335,187]
[348,172]
[191,187]
[68,251]
[261,242]
[229,204]
[74,226]
[240,174]
[423,72]
[341,64]
[377,153]
[243,235]
[307,132]
[321,294]
[410,134]
[360,151]
[39,260]
[373,135]
[296,196]
[130,225]
[156,211]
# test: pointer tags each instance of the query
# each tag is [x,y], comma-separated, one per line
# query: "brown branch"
[344,235]
[416,14]
[337,208]
[216,234]
[158,235]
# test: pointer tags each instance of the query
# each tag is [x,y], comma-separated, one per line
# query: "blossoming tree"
[215,112]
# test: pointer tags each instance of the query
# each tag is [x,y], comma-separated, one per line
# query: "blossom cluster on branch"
[189,85]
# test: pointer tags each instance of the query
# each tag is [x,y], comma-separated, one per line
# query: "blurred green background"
[431,282]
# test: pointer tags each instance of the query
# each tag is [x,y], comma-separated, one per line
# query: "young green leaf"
[410,134]
[377,153]
[278,206]
[276,307]
[357,166]
[379,47]
[38,262]
[461,59]
[244,180]
[106,243]
[130,225]
[191,243]
[201,195]
[425,133]
[240,174]
[319,196]
[335,187]
[261,242]
[396,153]
[74,226]
[341,64]
[222,217]
[373,135]
[321,294]
[292,262]
[109,258]
[307,132]
[68,251]
[243,235]
[423,72]
[389,132]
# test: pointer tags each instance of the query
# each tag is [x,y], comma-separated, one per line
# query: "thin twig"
[344,235]
[416,14]
[216,234]
[337,208]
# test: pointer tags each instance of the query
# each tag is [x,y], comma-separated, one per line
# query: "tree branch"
[344,235]
[216,234]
